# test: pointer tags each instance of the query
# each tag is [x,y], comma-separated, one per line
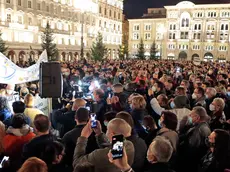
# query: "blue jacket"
[5,114]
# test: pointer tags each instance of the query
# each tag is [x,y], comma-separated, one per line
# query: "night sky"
[136,8]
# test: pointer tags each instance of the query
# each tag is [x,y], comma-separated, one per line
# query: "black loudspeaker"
[51,83]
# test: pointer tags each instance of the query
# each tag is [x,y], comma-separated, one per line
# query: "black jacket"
[159,167]
[65,121]
[70,140]
[138,116]
[36,146]
[140,152]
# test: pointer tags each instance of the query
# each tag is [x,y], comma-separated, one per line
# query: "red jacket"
[13,144]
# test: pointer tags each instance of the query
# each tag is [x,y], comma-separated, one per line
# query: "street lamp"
[82,35]
[162,30]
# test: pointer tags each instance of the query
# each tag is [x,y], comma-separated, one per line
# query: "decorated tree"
[153,51]
[141,50]
[98,49]
[48,43]
[3,47]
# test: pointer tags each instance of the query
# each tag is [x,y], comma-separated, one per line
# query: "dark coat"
[8,121]
[70,140]
[138,116]
[140,152]
[192,147]
[65,121]
[36,146]
[159,167]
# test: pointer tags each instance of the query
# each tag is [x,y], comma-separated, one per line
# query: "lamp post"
[82,35]
[163,30]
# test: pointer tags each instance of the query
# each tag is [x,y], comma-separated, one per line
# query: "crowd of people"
[174,117]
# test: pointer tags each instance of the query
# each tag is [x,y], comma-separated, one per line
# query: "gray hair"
[201,112]
[162,149]
[212,91]
[220,102]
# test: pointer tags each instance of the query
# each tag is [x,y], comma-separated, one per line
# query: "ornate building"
[22,23]
[184,31]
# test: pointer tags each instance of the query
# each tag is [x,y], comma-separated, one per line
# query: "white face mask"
[194,96]
[9,92]
[212,107]
[154,88]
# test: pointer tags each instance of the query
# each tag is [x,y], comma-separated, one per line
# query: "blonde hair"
[138,102]
[221,89]
[220,102]
[24,90]
[34,165]
[29,100]
[2,92]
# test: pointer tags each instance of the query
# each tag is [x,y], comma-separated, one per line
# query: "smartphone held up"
[117,146]
[93,119]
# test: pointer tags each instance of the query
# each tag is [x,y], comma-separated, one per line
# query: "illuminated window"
[147,36]
[66,27]
[147,27]
[136,27]
[110,13]
[184,35]
[105,12]
[29,4]
[8,17]
[8,1]
[59,25]
[222,48]
[136,36]
[39,6]
[20,19]
[19,2]
[30,21]
[172,35]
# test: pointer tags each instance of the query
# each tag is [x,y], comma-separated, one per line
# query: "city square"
[114,86]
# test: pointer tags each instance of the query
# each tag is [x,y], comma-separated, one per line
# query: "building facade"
[184,31]
[22,23]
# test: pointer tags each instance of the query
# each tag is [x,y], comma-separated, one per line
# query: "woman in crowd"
[33,165]
[17,135]
[30,110]
[218,116]
[138,112]
[218,157]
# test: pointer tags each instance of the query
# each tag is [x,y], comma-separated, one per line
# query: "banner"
[10,73]
[42,104]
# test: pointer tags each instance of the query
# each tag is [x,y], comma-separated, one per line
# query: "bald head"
[78,103]
[118,127]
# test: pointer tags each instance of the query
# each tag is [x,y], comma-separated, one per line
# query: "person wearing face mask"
[198,97]
[218,116]
[192,144]
[217,158]
[210,95]
[158,88]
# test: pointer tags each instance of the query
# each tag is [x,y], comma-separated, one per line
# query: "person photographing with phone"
[116,128]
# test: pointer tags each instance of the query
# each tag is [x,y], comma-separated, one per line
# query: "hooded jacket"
[15,139]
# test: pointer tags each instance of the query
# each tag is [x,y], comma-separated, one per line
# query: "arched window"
[185,19]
